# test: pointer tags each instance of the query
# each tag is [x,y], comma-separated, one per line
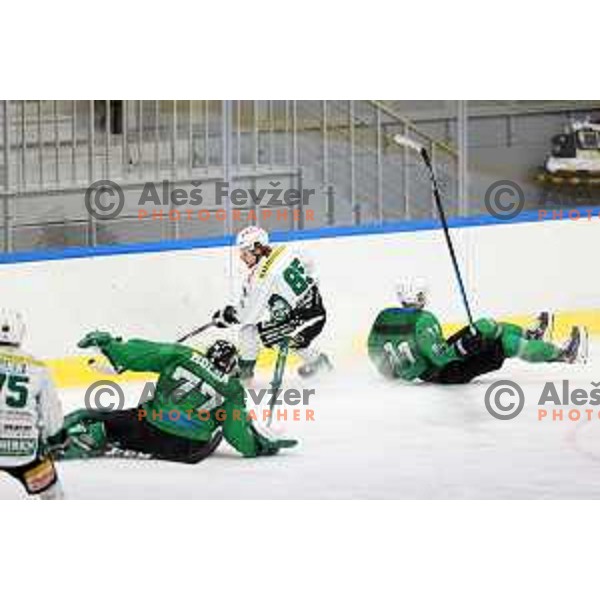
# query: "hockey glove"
[225,317]
[267,447]
[98,339]
[469,344]
[54,443]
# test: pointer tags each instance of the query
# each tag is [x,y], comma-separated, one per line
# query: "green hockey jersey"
[191,398]
[408,343]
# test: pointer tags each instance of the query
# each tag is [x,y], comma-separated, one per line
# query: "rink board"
[161,291]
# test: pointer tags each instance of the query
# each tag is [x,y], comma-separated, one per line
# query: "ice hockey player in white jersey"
[30,413]
[280,302]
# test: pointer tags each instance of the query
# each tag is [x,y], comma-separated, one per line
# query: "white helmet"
[412,293]
[248,237]
[12,327]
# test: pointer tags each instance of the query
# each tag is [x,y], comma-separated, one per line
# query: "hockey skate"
[321,364]
[575,350]
[542,329]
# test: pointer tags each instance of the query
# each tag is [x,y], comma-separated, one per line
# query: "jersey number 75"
[18,392]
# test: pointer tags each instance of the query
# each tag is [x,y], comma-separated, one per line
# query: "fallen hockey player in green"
[198,400]
[407,343]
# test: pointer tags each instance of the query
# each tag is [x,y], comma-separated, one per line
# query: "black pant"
[312,316]
[491,358]
[36,477]
[303,324]
[126,430]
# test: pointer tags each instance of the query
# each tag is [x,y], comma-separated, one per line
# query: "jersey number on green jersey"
[188,382]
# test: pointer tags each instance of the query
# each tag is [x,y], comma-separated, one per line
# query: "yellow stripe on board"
[563,322]
[74,371]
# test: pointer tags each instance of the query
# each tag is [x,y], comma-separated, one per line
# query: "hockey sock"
[515,344]
[537,351]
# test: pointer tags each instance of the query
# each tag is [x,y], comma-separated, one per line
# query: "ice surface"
[375,439]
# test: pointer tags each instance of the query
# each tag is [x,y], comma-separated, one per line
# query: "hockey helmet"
[412,293]
[223,355]
[248,238]
[12,327]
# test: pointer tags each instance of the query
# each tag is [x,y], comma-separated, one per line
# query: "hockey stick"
[402,140]
[195,332]
[110,369]
[277,377]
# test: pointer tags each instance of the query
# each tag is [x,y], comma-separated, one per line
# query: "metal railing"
[53,150]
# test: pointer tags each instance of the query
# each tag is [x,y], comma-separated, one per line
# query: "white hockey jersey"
[285,274]
[30,409]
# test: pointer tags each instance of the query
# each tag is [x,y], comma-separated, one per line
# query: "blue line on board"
[282,236]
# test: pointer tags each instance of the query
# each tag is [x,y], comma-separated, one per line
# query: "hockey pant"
[304,324]
[491,358]
[126,433]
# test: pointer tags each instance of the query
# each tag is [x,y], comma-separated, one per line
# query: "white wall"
[510,269]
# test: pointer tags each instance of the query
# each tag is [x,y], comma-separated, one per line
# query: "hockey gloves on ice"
[225,317]
[268,446]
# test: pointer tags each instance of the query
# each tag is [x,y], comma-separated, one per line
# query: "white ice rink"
[373,439]
[370,438]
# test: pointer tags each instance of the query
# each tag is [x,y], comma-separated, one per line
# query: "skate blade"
[549,333]
[584,346]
